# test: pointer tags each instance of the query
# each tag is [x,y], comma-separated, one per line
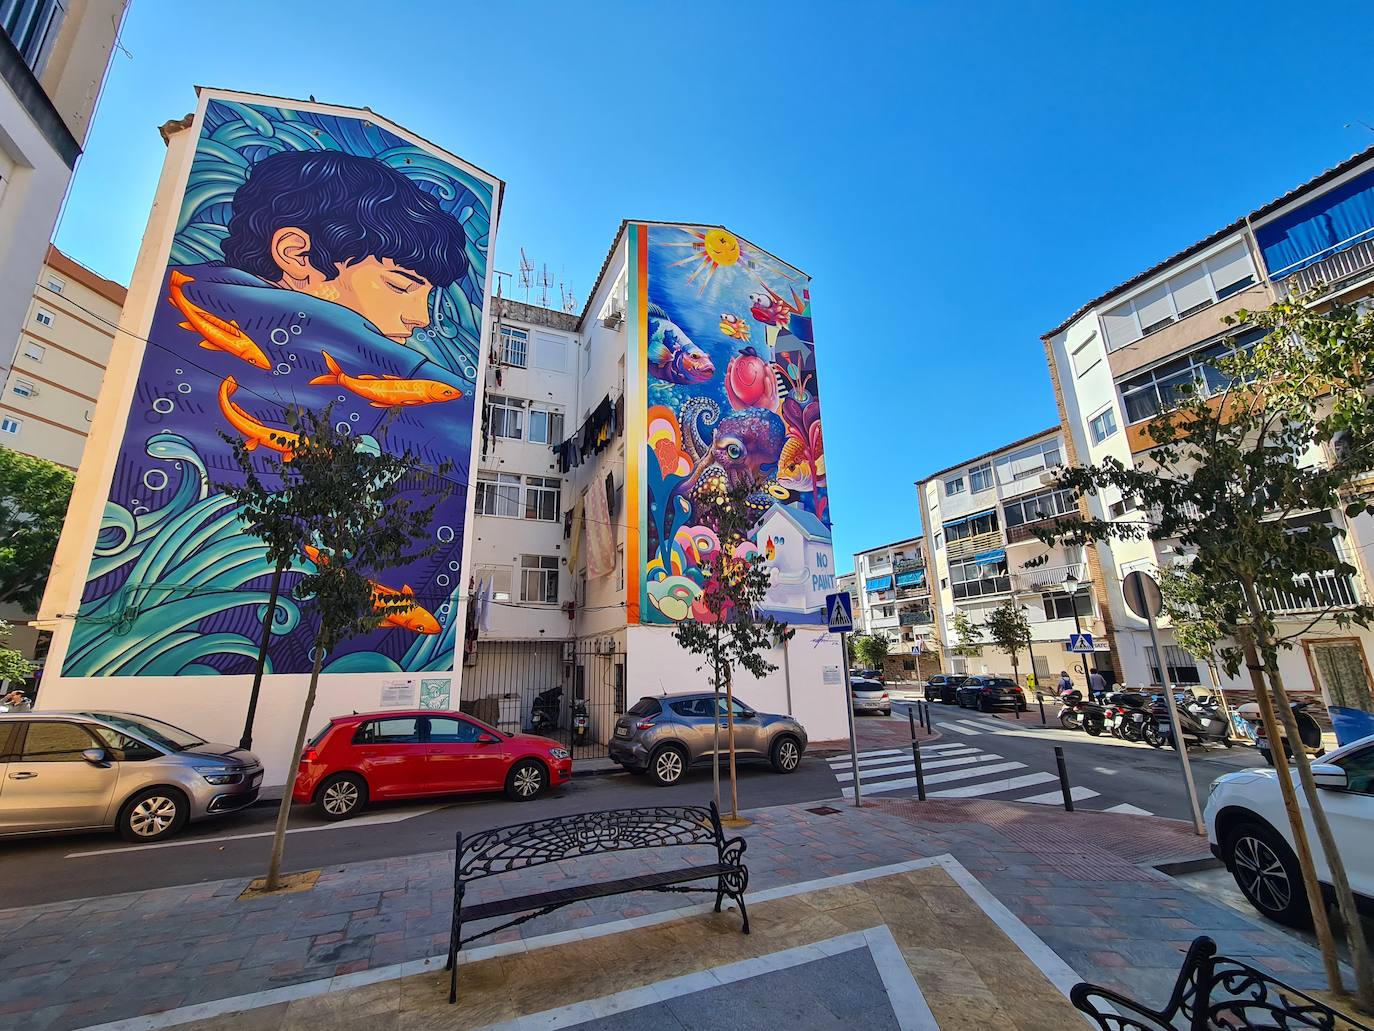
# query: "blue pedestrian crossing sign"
[1081,643]
[839,613]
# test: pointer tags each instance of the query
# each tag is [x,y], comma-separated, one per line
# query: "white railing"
[1324,591]
[1332,270]
[1045,577]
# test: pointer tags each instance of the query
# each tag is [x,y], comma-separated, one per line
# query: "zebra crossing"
[956,769]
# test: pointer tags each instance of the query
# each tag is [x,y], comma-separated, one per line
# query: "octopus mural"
[732,403]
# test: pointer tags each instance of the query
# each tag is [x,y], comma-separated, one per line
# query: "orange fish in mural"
[255,433]
[216,334]
[387,391]
[386,600]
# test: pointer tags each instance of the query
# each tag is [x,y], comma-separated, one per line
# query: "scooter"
[1200,722]
[579,720]
[1125,714]
[544,711]
[1309,731]
[1069,718]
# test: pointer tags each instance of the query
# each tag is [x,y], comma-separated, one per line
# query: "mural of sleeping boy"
[318,257]
[732,403]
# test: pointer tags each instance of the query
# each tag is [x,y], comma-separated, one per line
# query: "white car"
[1248,830]
[870,696]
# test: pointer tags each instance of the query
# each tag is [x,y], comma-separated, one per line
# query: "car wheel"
[983,705]
[1267,872]
[526,780]
[785,755]
[341,796]
[668,766]
[153,814]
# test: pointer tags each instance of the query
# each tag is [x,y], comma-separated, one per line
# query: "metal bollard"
[916,761]
[1063,779]
[1041,699]
[925,716]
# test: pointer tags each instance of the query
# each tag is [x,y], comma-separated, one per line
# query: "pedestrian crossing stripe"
[1010,784]
[939,764]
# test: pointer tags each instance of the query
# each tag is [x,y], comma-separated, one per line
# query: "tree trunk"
[730,735]
[715,742]
[284,810]
[1345,901]
[246,739]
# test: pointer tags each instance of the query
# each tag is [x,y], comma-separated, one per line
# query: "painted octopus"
[739,450]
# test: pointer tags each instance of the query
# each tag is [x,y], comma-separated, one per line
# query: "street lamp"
[1071,581]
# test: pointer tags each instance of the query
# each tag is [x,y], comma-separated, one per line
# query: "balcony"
[914,617]
[908,565]
[908,593]
[1026,531]
[1328,591]
[967,547]
[1044,578]
[1335,270]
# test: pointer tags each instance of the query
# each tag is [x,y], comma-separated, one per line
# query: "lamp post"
[1072,582]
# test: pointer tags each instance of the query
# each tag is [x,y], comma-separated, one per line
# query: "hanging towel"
[600,534]
[575,548]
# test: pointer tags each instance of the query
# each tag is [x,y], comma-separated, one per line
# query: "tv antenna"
[545,281]
[526,274]
[569,298]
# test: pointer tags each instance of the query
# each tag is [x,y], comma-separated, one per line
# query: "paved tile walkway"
[1075,879]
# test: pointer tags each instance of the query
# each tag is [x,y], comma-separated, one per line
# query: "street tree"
[968,636]
[34,494]
[1009,630]
[353,506]
[1231,481]
[871,650]
[13,666]
[727,627]
[1200,617]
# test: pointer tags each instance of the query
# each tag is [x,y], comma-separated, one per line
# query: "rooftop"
[989,454]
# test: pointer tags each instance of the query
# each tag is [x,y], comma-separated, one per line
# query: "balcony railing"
[914,617]
[1043,578]
[1334,270]
[974,545]
[1327,591]
[1025,531]
[907,593]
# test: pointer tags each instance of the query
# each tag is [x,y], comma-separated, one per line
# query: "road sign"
[1081,644]
[839,613]
[1142,594]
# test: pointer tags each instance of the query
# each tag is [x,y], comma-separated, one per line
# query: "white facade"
[893,584]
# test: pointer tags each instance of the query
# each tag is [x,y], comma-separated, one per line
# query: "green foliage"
[969,636]
[870,650]
[1008,629]
[13,665]
[1200,615]
[34,494]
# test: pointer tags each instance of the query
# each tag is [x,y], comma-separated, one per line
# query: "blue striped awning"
[878,583]
[987,558]
[914,578]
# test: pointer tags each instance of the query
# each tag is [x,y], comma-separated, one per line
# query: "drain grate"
[824,810]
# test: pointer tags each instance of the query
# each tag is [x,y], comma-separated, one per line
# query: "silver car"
[64,771]
[870,696]
[663,736]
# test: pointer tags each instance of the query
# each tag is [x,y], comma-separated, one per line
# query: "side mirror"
[487,739]
[748,714]
[1330,776]
[95,756]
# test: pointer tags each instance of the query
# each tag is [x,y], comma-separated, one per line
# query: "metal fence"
[507,678]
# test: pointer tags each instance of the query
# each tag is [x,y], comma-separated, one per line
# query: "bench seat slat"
[600,889]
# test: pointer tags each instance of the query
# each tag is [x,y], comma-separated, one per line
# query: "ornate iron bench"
[1214,992]
[524,845]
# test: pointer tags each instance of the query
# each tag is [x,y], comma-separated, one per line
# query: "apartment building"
[980,517]
[895,599]
[54,374]
[1118,361]
[53,58]
[849,582]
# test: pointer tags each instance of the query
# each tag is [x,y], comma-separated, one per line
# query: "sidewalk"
[1080,882]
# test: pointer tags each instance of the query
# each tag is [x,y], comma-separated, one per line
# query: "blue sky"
[955,181]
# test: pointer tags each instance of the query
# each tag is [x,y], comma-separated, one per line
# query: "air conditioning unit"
[613,319]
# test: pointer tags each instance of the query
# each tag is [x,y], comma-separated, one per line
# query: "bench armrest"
[1100,1003]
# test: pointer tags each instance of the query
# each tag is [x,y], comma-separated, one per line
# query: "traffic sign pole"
[849,708]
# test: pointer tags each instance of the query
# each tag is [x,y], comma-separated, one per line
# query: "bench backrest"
[523,845]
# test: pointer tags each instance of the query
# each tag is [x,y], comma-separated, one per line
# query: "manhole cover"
[824,810]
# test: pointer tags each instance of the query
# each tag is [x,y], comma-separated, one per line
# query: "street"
[977,756]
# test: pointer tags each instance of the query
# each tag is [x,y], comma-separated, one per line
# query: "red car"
[418,753]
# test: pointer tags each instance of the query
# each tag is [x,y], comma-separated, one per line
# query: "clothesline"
[593,436]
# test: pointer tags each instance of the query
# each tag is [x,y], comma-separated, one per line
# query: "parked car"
[1248,830]
[943,687]
[869,696]
[988,693]
[665,735]
[380,756]
[68,771]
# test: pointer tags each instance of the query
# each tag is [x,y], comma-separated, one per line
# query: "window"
[1124,507]
[1028,462]
[123,748]
[546,425]
[32,25]
[972,579]
[500,577]
[1164,386]
[24,388]
[448,730]
[542,494]
[43,317]
[939,540]
[1182,666]
[1102,425]
[514,346]
[1045,505]
[646,707]
[56,285]
[1359,771]
[51,742]
[980,477]
[9,425]
[34,352]
[984,522]
[396,730]
[587,357]
[498,494]
[1061,605]
[550,352]
[698,708]
[539,579]
[1196,287]
[1085,355]
[954,485]
[505,416]
[620,569]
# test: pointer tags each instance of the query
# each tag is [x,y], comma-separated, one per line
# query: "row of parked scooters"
[1133,716]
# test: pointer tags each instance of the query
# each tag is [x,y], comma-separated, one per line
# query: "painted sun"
[712,250]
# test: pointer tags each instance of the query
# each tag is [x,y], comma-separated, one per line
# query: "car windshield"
[174,739]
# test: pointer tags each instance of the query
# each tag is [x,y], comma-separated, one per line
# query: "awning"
[915,578]
[987,558]
[878,583]
[967,518]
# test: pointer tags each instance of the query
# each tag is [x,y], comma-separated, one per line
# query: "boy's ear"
[291,252]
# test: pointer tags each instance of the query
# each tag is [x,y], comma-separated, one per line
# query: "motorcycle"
[544,711]
[1125,715]
[1068,709]
[1077,713]
[579,719]
[1309,731]
[1200,722]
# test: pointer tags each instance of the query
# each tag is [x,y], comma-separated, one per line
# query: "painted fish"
[673,357]
[216,334]
[414,618]
[255,433]
[386,391]
[770,309]
[734,327]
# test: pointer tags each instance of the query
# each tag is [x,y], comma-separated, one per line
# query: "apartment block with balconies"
[1123,358]
[895,595]
[980,518]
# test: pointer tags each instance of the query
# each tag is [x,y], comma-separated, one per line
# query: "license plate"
[257,779]
[622,731]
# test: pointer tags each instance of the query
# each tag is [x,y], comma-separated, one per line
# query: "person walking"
[1065,681]
[1097,684]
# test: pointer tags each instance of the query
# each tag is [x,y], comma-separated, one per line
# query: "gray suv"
[663,736]
[65,771]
